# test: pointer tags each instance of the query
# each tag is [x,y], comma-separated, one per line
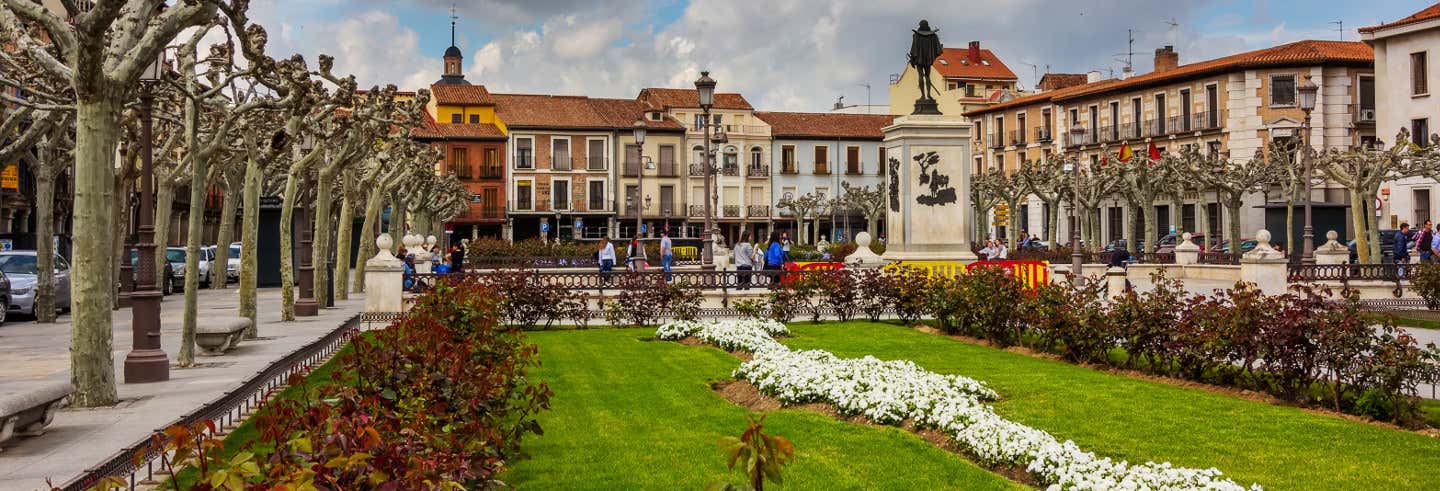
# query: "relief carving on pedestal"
[941,193]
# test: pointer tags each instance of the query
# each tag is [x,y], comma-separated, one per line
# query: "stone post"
[1115,282]
[863,257]
[384,279]
[1333,252]
[1265,267]
[928,214]
[413,243]
[1186,252]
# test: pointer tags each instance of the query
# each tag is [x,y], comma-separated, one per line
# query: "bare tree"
[1363,171]
[1232,179]
[802,207]
[1046,180]
[870,203]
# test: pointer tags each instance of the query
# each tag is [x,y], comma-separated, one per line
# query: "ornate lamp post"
[1076,258]
[638,129]
[305,306]
[1307,90]
[146,362]
[706,87]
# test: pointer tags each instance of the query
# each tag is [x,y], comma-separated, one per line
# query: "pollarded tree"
[1232,179]
[1088,186]
[1010,188]
[1363,171]
[870,203]
[983,197]
[1046,180]
[801,207]
[385,172]
[1142,184]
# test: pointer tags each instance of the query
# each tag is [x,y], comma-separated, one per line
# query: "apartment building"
[1402,99]
[561,162]
[1232,105]
[651,180]
[740,151]
[819,153]
[461,122]
[967,79]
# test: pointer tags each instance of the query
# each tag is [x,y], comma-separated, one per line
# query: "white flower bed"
[893,391]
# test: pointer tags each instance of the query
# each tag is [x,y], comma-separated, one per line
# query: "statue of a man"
[925,47]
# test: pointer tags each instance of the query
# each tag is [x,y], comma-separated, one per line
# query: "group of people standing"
[747,256]
[453,262]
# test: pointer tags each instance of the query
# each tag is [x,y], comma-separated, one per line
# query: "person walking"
[774,258]
[606,258]
[667,252]
[744,260]
[1402,248]
[784,246]
[457,258]
[1422,242]
[635,258]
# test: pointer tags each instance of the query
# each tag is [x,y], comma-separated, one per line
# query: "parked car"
[1387,247]
[1246,245]
[168,282]
[176,257]
[20,268]
[4,296]
[232,263]
[1167,244]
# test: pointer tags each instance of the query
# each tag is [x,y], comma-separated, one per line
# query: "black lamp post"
[305,305]
[1077,259]
[1307,90]
[706,88]
[146,362]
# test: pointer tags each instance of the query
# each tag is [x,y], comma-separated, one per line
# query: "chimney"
[974,54]
[1166,59]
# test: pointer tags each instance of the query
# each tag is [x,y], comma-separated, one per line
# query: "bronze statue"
[925,47]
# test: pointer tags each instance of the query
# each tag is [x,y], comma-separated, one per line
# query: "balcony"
[492,212]
[492,172]
[733,129]
[1363,115]
[1083,137]
[1207,121]
[995,141]
[1109,133]
[1042,135]
[730,170]
[697,170]
[1017,137]
[757,211]
[789,168]
[1131,131]
[697,210]
[732,211]
[667,169]
[757,171]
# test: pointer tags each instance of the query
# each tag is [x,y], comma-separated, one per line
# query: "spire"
[453,18]
[453,73]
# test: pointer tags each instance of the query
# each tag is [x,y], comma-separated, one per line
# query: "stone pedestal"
[384,279]
[863,257]
[1264,266]
[928,212]
[1186,252]
[1115,282]
[1333,252]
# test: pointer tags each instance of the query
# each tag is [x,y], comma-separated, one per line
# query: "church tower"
[454,74]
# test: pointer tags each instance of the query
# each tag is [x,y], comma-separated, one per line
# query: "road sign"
[10,177]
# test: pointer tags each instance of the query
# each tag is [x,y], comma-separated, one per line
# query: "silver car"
[20,266]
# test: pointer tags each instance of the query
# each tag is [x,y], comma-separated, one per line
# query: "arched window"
[755,162]
[732,158]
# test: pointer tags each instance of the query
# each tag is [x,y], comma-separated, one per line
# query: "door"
[1422,206]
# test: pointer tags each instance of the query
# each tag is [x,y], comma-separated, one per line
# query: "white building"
[819,153]
[1406,99]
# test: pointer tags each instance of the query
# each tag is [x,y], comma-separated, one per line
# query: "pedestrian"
[986,251]
[457,258]
[785,245]
[744,260]
[1001,252]
[1422,243]
[408,279]
[667,252]
[635,258]
[1434,245]
[774,257]
[1120,256]
[1402,247]
[606,257]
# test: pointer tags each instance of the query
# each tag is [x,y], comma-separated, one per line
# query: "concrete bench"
[217,335]
[30,409]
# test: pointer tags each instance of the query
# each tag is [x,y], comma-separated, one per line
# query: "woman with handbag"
[635,256]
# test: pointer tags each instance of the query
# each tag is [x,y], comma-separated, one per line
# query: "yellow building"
[968,78]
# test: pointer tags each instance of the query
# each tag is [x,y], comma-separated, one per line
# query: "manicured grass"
[1133,419]
[634,414]
[1423,319]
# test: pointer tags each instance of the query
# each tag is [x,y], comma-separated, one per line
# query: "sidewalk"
[80,438]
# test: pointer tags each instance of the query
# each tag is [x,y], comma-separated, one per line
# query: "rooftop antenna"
[453,18]
[1339,26]
[867,97]
[1129,55]
[1174,29]
[1035,73]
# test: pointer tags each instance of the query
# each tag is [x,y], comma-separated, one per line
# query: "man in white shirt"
[606,257]
[666,253]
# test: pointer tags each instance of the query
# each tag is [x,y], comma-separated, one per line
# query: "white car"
[176,257]
[232,263]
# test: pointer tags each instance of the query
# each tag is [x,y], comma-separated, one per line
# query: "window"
[1418,81]
[699,122]
[1019,128]
[755,162]
[474,119]
[595,154]
[632,199]
[787,159]
[490,203]
[1160,112]
[1044,124]
[1282,90]
[998,139]
[822,159]
[667,160]
[488,168]
[560,195]
[1212,107]
[1367,96]
[999,161]
[1213,147]
[1114,120]
[632,160]
[596,195]
[852,160]
[524,153]
[456,118]
[1185,110]
[822,192]
[1136,115]
[1094,124]
[523,195]
[560,153]
[1420,131]
[1074,117]
[655,116]
[460,163]
[667,199]
[883,163]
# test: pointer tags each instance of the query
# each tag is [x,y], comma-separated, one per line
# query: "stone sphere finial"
[410,241]
[1263,237]
[383,242]
[429,241]
[1331,235]
[862,239]
[1185,237]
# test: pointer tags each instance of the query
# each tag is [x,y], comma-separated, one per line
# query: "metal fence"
[139,463]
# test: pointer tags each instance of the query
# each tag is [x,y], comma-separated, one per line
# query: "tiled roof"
[461,95]
[662,98]
[1428,13]
[432,130]
[954,62]
[548,111]
[1053,81]
[1292,54]
[826,125]
[621,114]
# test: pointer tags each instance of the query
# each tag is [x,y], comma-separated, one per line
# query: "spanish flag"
[1154,152]
[1126,153]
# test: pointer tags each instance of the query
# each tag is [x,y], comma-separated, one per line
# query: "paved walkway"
[80,438]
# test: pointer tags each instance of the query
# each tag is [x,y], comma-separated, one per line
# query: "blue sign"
[544,226]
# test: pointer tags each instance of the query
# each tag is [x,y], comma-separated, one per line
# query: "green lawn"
[633,414]
[1117,416]
[1423,319]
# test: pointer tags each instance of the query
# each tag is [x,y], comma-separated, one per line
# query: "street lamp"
[1076,258]
[146,361]
[305,305]
[638,129]
[706,88]
[1307,90]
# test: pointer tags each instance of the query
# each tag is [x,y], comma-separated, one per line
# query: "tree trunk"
[1358,210]
[121,218]
[44,244]
[164,209]
[1053,232]
[1377,253]
[1232,209]
[1012,230]
[1151,233]
[1202,222]
[196,224]
[219,270]
[1290,219]
[342,238]
[249,232]
[92,366]
[320,242]
[287,253]
[368,234]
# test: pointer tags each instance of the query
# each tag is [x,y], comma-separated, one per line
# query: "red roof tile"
[955,63]
[1428,13]
[663,98]
[548,111]
[430,130]
[826,125]
[461,95]
[621,114]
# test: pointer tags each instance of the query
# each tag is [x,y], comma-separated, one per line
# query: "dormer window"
[943,62]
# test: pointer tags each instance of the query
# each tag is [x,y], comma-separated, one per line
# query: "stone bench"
[30,409]
[217,335]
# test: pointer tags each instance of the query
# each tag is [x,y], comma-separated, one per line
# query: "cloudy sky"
[781,54]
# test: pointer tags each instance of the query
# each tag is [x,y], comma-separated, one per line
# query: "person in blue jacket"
[774,257]
[409,278]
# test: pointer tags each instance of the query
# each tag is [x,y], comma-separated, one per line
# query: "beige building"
[1232,105]
[1403,99]
[659,197]
[968,79]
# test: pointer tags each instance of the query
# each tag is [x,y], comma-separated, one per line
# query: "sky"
[794,55]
